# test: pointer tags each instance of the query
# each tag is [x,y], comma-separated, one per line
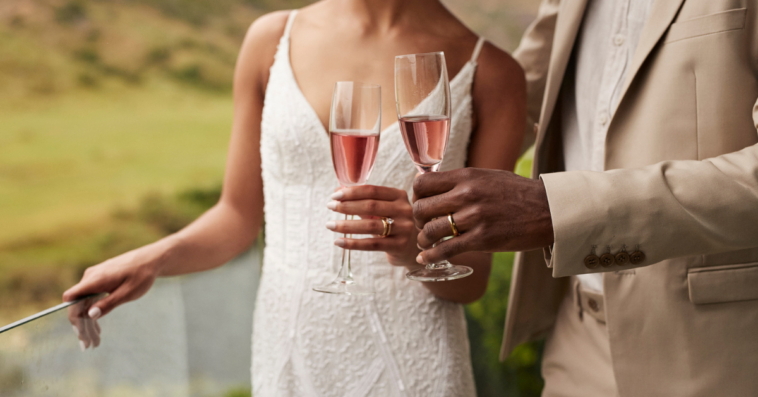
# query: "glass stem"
[346,273]
[441,264]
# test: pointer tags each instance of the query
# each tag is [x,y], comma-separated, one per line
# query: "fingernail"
[420,259]
[76,330]
[94,313]
[331,225]
[82,346]
[339,242]
[332,205]
[337,195]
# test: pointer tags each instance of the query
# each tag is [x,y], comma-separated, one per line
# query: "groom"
[646,206]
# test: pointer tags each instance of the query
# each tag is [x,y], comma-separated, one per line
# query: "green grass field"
[104,101]
[69,162]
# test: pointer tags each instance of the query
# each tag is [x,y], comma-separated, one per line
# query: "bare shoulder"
[258,49]
[498,73]
[270,26]
[265,32]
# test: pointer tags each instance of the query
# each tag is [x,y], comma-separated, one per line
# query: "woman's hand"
[125,278]
[86,328]
[372,203]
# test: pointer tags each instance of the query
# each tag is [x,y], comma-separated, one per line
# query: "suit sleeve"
[533,54]
[667,210]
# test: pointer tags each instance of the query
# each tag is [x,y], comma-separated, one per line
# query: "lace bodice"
[400,342]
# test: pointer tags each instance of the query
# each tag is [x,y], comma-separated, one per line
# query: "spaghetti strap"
[477,49]
[288,26]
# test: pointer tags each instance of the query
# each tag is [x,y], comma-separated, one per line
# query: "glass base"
[440,272]
[344,287]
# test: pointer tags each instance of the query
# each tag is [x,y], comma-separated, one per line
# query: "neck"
[386,14]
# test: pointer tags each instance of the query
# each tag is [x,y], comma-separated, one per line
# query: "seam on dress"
[368,381]
[441,386]
[381,340]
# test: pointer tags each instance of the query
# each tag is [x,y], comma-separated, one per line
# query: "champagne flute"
[354,125]
[422,97]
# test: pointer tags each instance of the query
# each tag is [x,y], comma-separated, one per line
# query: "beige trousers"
[577,357]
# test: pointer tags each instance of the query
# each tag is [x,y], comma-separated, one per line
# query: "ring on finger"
[387,223]
[453,226]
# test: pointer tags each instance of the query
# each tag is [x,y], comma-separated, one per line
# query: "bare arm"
[233,223]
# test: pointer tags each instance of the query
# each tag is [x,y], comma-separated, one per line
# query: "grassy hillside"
[69,164]
[55,46]
[102,101]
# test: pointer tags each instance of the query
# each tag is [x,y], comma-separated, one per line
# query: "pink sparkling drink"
[353,155]
[426,140]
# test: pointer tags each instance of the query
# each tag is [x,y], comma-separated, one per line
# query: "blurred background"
[114,121]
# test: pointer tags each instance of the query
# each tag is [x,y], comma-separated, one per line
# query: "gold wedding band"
[456,233]
[387,223]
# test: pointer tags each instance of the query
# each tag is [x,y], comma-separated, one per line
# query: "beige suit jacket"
[681,185]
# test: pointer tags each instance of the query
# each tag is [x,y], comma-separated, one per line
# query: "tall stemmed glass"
[422,96]
[354,125]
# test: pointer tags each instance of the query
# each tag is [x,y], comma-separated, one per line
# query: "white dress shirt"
[602,55]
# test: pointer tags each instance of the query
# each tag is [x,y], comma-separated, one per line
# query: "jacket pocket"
[719,284]
[709,24]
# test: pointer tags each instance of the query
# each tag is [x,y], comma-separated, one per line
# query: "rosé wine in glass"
[353,155]
[422,98]
[426,140]
[355,120]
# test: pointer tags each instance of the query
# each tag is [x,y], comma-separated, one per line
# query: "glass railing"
[188,337]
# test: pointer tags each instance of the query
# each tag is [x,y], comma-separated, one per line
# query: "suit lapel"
[568,23]
[662,13]
[570,18]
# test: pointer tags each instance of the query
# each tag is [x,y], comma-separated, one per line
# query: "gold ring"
[456,233]
[387,223]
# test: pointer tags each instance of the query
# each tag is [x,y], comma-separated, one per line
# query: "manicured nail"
[331,225]
[82,346]
[420,259]
[94,313]
[339,242]
[332,205]
[337,195]
[76,330]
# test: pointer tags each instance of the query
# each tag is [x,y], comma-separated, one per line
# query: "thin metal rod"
[44,313]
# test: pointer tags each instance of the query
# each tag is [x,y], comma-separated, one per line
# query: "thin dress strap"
[288,26]
[477,49]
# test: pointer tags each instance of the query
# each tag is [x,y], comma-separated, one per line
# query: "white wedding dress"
[403,341]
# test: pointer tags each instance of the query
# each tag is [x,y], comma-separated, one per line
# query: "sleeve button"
[591,261]
[622,258]
[637,257]
[607,260]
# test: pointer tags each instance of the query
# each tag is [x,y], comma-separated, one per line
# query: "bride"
[409,339]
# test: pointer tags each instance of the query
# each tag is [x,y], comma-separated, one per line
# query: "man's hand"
[494,211]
